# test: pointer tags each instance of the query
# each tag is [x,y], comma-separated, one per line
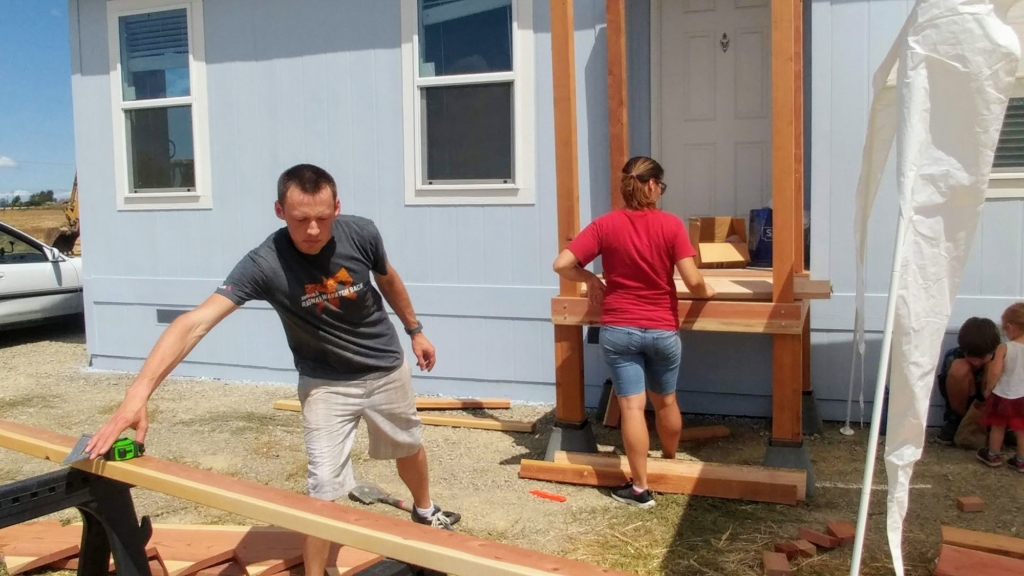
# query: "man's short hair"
[978,337]
[308,178]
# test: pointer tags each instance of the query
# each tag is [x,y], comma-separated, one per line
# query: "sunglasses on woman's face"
[663,186]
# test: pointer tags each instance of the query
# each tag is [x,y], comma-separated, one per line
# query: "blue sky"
[37,149]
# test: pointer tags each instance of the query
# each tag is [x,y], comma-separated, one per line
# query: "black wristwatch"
[415,329]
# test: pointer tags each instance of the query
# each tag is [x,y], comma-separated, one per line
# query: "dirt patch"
[44,382]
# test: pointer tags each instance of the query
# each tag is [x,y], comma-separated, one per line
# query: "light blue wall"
[320,81]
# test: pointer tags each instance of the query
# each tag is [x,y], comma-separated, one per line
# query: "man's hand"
[424,351]
[130,414]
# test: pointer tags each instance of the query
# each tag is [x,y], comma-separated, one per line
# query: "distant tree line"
[41,198]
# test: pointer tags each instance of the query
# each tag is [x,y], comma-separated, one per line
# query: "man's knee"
[961,370]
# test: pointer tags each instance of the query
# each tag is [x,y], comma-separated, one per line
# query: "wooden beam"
[784,217]
[618,109]
[569,399]
[451,403]
[293,405]
[462,403]
[742,287]
[954,561]
[787,349]
[983,542]
[703,315]
[673,477]
[449,552]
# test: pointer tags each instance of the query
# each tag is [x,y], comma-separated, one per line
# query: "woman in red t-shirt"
[640,247]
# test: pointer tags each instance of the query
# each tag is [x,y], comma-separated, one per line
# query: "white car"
[37,283]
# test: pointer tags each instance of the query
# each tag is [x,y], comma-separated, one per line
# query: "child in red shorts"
[1004,391]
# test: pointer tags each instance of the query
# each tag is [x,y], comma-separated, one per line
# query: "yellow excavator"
[64,237]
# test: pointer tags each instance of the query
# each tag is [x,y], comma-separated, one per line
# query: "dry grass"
[475,472]
[33,221]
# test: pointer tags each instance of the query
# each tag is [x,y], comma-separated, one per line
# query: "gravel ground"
[44,382]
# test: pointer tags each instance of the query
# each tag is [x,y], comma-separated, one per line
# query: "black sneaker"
[1016,463]
[989,458]
[627,495]
[437,518]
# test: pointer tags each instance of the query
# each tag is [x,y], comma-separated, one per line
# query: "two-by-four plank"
[445,551]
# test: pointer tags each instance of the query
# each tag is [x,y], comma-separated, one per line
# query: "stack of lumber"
[755,483]
[971,553]
[479,422]
[180,550]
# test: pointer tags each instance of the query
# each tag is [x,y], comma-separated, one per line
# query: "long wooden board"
[454,421]
[31,545]
[675,477]
[451,552]
[750,287]
[462,403]
[725,474]
[704,315]
[954,561]
[983,542]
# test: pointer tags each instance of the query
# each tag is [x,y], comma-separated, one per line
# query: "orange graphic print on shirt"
[331,290]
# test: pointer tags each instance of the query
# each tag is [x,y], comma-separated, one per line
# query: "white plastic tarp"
[957,64]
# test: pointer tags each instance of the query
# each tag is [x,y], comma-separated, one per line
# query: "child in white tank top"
[1004,391]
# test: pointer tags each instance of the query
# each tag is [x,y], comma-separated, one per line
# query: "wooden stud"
[776,564]
[844,531]
[954,561]
[453,553]
[983,542]
[817,538]
[618,110]
[701,315]
[694,433]
[970,504]
[477,422]
[798,134]
[462,403]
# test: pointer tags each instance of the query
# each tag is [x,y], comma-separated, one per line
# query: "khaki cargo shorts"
[331,412]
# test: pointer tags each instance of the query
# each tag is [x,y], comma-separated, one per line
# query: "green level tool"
[122,449]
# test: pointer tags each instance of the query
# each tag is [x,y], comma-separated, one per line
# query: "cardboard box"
[720,241]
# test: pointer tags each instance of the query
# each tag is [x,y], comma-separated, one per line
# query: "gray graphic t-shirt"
[334,318]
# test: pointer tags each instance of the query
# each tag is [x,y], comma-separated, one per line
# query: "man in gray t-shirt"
[316,274]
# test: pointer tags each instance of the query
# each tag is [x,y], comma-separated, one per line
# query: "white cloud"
[7,162]
[9,195]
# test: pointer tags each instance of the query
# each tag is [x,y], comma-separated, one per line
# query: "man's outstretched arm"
[170,349]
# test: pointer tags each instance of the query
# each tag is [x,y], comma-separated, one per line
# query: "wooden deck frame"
[790,344]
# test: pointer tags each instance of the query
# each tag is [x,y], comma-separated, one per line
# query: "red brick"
[789,549]
[805,548]
[817,538]
[844,531]
[776,564]
[970,504]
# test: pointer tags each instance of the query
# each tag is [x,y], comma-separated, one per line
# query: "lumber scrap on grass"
[454,421]
[956,561]
[450,552]
[27,547]
[755,483]
[983,542]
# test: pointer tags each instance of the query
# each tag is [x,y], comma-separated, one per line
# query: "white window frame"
[523,188]
[201,197]
[1006,184]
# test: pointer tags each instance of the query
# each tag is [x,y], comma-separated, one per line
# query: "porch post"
[570,415]
[787,219]
[618,111]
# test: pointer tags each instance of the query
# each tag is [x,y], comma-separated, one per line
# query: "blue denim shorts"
[641,359]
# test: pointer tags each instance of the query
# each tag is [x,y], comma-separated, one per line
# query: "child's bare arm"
[994,369]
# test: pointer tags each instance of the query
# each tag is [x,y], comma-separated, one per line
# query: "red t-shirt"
[639,250]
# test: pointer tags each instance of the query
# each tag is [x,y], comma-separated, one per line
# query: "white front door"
[712,65]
